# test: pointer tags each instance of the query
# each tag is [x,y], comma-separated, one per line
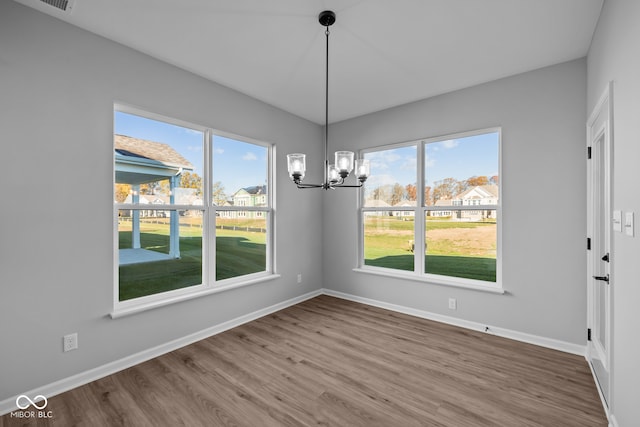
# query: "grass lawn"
[457,249]
[237,253]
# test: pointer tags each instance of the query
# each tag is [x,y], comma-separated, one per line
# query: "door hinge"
[588,243]
[588,152]
[589,334]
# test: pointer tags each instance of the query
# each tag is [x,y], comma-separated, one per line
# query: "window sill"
[429,279]
[129,309]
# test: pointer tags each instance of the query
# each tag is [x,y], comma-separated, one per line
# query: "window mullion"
[270,223]
[208,173]
[419,223]
[209,255]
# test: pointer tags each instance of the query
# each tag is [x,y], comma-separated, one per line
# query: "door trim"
[600,124]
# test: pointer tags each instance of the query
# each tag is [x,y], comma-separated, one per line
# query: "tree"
[461,187]
[121,193]
[163,187]
[191,180]
[397,194]
[427,196]
[218,194]
[147,188]
[495,179]
[411,192]
[382,193]
[155,187]
[445,189]
[476,181]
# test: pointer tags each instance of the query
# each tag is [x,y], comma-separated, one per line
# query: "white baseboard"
[612,421]
[502,332]
[86,377]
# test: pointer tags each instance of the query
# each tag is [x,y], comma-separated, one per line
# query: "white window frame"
[268,211]
[420,212]
[209,283]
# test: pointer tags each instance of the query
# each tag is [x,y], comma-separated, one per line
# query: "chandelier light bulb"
[344,162]
[296,165]
[333,174]
[363,169]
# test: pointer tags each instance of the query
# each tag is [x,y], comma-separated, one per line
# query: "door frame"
[600,125]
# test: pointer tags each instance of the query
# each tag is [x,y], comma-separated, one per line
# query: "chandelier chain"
[326,111]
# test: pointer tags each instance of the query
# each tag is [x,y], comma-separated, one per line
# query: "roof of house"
[256,189]
[443,202]
[150,150]
[376,203]
[406,203]
[489,190]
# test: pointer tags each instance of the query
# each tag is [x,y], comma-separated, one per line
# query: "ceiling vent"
[63,5]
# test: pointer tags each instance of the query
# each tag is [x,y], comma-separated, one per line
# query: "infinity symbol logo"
[31,402]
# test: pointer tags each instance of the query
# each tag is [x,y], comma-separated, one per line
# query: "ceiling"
[382,53]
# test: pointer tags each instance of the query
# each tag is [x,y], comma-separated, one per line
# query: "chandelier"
[334,174]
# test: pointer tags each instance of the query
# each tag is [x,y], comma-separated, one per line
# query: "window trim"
[420,211]
[209,285]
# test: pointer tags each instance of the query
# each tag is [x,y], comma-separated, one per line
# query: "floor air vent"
[64,5]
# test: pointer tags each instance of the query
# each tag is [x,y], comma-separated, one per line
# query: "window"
[192,208]
[448,232]
[389,208]
[242,210]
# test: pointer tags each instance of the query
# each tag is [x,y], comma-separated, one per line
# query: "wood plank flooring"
[333,362]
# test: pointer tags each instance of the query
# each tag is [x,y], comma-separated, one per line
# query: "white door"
[599,242]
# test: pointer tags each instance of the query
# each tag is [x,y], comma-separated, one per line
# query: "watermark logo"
[24,402]
[29,402]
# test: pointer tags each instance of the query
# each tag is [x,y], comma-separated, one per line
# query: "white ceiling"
[382,53]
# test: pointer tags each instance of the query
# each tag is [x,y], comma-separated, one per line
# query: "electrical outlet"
[299,277]
[70,342]
[452,304]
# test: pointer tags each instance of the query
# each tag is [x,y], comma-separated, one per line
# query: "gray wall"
[614,56]
[57,88]
[58,84]
[542,115]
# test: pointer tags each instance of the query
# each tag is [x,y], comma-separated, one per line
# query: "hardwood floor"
[333,362]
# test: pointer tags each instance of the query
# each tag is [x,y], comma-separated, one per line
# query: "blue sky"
[459,158]
[229,156]
[239,164]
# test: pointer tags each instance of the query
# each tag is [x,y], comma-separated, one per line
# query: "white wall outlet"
[299,277]
[70,342]
[453,304]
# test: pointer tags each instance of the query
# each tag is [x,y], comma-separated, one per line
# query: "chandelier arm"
[301,185]
[347,186]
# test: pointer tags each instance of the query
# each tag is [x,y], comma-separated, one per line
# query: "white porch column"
[135,218]
[174,223]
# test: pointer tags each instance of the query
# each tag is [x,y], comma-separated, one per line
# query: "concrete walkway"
[136,256]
